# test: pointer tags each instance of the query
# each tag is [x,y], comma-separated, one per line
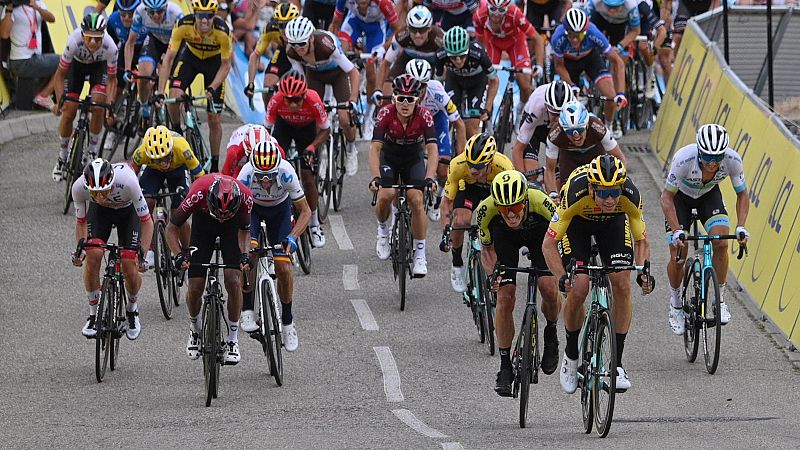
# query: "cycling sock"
[247,301]
[94,298]
[722,293]
[94,141]
[286,313]
[233,331]
[572,344]
[194,323]
[64,148]
[458,261]
[419,247]
[675,297]
[214,164]
[314,218]
[505,358]
[132,305]
[550,332]
[384,228]
[620,347]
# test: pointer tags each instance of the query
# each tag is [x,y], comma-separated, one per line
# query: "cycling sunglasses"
[205,15]
[709,159]
[266,175]
[457,57]
[88,39]
[579,36]
[153,12]
[96,194]
[408,99]
[477,166]
[606,193]
[497,11]
[516,209]
[298,44]
[165,159]
[295,100]
[413,30]
[575,132]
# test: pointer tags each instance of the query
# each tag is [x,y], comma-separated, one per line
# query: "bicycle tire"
[473,295]
[488,309]
[103,321]
[74,167]
[605,362]
[265,327]
[162,271]
[402,254]
[690,334]
[505,122]
[584,382]
[210,347]
[304,252]
[527,368]
[322,177]
[277,337]
[119,323]
[338,186]
[195,140]
[118,104]
[712,327]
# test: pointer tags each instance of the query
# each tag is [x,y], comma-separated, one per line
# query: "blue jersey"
[119,32]
[627,13]
[594,39]
[143,24]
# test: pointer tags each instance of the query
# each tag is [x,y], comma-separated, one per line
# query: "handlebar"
[185,98]
[525,70]
[261,90]
[402,187]
[346,106]
[261,252]
[707,237]
[165,194]
[85,102]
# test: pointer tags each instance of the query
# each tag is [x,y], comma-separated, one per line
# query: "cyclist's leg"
[231,253]
[98,225]
[129,228]
[349,32]
[679,25]
[506,247]
[575,244]
[601,77]
[390,174]
[73,86]
[714,217]
[376,35]
[278,65]
[209,69]
[683,208]
[204,232]
[615,248]
[183,74]
[475,97]
[464,204]
[97,80]
[279,225]
[442,125]
[177,179]
[413,172]
[152,50]
[302,139]
[340,82]
[257,214]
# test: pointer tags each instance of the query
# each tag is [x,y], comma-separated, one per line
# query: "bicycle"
[597,344]
[192,121]
[506,121]
[79,145]
[330,167]
[304,241]
[110,320]
[166,273]
[526,358]
[270,330]
[699,276]
[641,109]
[477,297]
[128,126]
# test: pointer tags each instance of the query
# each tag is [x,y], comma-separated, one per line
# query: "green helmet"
[93,23]
[456,41]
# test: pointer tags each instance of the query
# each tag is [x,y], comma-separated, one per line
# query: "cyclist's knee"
[214,120]
[462,218]
[621,284]
[506,298]
[232,281]
[719,246]
[283,270]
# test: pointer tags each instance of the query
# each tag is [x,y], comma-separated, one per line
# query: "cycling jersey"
[534,114]
[598,141]
[235,157]
[119,32]
[458,173]
[182,157]
[271,33]
[627,13]
[404,141]
[404,48]
[541,210]
[576,203]
[311,111]
[451,6]
[438,101]
[76,51]
[124,193]
[286,185]
[686,176]
[195,201]
[514,26]
[327,56]
[377,11]
[216,42]
[477,63]
[594,39]
[143,24]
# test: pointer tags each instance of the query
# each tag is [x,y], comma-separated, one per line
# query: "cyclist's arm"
[252,62]
[322,136]
[561,70]
[641,251]
[617,152]
[461,136]
[169,59]
[629,36]
[58,79]
[232,156]
[303,219]
[488,258]
[538,44]
[222,73]
[550,181]
[742,207]
[491,91]
[551,256]
[375,158]
[617,69]
[130,45]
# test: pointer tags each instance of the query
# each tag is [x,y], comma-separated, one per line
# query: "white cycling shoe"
[677,321]
[247,321]
[724,313]
[382,247]
[232,355]
[420,268]
[290,339]
[88,329]
[623,382]
[193,346]
[569,375]
[351,160]
[457,279]
[317,237]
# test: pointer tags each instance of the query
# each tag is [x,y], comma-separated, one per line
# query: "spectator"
[23,25]
[245,19]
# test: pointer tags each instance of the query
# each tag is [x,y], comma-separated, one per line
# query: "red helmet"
[224,198]
[253,135]
[293,84]
[406,84]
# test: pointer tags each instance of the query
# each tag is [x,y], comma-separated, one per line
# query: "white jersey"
[286,184]
[240,133]
[436,99]
[125,192]
[76,51]
[535,114]
[686,176]
[144,24]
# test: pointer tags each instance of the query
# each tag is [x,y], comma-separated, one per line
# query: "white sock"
[675,297]
[722,293]
[94,298]
[64,148]
[94,142]
[194,323]
[351,147]
[132,305]
[419,248]
[385,228]
[314,218]
[233,331]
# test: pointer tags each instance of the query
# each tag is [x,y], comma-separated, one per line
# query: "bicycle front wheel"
[526,371]
[712,327]
[196,142]
[338,172]
[304,252]
[104,321]
[486,303]
[323,178]
[273,315]
[604,373]
[265,327]
[163,272]
[120,300]
[402,254]
[504,122]
[73,170]
[691,324]
[211,344]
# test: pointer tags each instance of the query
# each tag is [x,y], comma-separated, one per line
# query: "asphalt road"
[335,394]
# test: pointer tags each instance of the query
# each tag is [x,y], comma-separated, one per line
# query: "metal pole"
[725,29]
[769,55]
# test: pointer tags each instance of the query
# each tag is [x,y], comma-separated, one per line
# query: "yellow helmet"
[205,5]
[285,12]
[509,187]
[480,149]
[158,142]
[606,171]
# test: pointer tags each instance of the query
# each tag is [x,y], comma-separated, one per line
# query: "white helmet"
[299,30]
[712,139]
[558,94]
[419,17]
[574,115]
[575,20]
[420,69]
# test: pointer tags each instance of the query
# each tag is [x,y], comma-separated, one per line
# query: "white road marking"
[452,446]
[340,233]
[365,315]
[350,277]
[391,377]
[417,425]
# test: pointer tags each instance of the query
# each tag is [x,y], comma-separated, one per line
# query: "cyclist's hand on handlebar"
[575,89]
[377,97]
[210,93]
[485,114]
[444,244]
[647,282]
[621,100]
[290,244]
[158,99]
[431,184]
[78,257]
[181,261]
[310,154]
[537,72]
[493,283]
[249,90]
[564,284]
[678,238]
[374,185]
[128,76]
[244,262]
[740,230]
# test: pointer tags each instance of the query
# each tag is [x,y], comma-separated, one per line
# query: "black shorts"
[687,9]
[279,63]
[507,243]
[614,31]
[188,66]
[205,230]
[447,20]
[535,14]
[471,196]
[405,171]
[100,219]
[710,208]
[321,14]
[467,93]
[152,50]
[121,62]
[96,73]
[539,137]
[593,64]
[151,181]
[336,78]
[649,20]
[613,237]
[302,137]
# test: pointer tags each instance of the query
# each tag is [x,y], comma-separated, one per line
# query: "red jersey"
[515,25]
[312,110]
[397,137]
[195,201]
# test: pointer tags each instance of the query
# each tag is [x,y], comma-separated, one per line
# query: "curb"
[19,127]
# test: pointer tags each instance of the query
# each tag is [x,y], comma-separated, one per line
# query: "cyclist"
[208,41]
[166,156]
[274,35]
[578,47]
[119,27]
[445,113]
[597,199]
[155,20]
[470,77]
[502,27]
[296,113]
[109,196]
[402,130]
[578,138]
[516,216]
[686,10]
[276,188]
[655,30]
[319,12]
[540,114]
[535,10]
[452,13]
[220,207]
[320,53]
[241,144]
[90,53]
[469,180]
[693,183]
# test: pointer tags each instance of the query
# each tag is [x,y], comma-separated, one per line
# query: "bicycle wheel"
[104,320]
[323,178]
[210,347]
[402,252]
[196,142]
[163,271]
[504,122]
[691,325]
[304,252]
[339,172]
[584,380]
[485,301]
[604,373]
[273,315]
[74,168]
[120,323]
[119,109]
[265,326]
[712,327]
[526,372]
[474,298]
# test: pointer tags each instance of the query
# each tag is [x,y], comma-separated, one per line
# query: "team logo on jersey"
[451,107]
[287,178]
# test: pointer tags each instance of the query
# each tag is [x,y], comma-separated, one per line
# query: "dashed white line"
[350,277]
[452,446]
[340,233]
[391,377]
[364,315]
[417,425]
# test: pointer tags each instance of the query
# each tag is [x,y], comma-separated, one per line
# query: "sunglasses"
[606,193]
[269,176]
[105,193]
[88,39]
[457,57]
[408,99]
[497,11]
[205,15]
[516,209]
[295,100]
[709,159]
[579,36]
[165,159]
[417,30]
[575,132]
[298,44]
[477,166]
[153,12]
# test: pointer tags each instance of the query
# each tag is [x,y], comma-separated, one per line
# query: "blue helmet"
[155,4]
[128,5]
[613,3]
[573,116]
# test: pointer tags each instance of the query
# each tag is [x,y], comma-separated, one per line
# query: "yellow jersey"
[216,42]
[458,172]
[575,201]
[182,156]
[271,33]
[540,211]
